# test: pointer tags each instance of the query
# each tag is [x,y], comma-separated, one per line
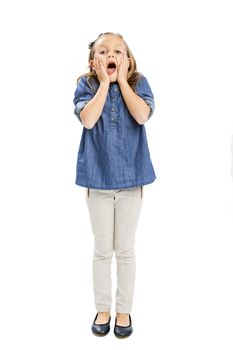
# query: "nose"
[111,54]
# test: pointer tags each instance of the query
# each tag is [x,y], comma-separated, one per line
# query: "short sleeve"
[144,91]
[83,94]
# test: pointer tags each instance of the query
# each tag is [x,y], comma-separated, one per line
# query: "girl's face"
[109,49]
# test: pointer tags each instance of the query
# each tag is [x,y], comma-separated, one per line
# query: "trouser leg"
[128,205]
[101,211]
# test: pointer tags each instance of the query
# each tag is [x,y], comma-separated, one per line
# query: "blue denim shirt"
[114,154]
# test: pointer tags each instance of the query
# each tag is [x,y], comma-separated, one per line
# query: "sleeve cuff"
[79,106]
[151,105]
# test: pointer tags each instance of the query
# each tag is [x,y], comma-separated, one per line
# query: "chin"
[113,78]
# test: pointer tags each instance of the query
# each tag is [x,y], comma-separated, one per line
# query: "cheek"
[119,60]
[101,58]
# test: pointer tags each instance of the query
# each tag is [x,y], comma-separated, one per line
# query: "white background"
[183,295]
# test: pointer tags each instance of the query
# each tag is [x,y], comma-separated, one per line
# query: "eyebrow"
[118,45]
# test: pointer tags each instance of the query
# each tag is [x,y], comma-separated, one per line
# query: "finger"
[126,58]
[96,63]
[102,62]
[121,60]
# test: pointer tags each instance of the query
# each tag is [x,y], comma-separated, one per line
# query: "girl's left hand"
[122,73]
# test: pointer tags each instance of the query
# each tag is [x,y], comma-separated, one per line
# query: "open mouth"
[111,67]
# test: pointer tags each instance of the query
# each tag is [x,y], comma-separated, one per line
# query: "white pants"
[114,217]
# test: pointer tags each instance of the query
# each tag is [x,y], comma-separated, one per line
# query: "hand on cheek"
[100,69]
[123,68]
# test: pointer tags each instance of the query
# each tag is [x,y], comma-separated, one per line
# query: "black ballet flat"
[100,330]
[122,331]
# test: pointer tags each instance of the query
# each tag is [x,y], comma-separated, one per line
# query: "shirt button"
[115,89]
[113,119]
[113,109]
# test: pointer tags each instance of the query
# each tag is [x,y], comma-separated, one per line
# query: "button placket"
[113,113]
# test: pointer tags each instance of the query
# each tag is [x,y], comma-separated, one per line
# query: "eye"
[102,52]
[118,51]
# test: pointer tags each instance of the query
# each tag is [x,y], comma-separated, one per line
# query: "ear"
[91,64]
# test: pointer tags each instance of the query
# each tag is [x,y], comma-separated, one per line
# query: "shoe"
[122,331]
[100,329]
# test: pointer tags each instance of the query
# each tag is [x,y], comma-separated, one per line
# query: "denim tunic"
[114,154]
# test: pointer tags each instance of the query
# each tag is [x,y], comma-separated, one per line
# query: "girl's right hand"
[101,70]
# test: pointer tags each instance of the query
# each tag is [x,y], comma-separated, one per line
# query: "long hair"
[133,75]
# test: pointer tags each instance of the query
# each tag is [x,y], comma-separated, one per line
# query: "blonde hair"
[133,75]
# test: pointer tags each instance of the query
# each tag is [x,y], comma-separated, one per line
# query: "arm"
[93,109]
[137,107]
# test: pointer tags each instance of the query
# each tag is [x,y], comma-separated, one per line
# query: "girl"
[113,101]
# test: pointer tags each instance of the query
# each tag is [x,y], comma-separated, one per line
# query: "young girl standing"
[113,102]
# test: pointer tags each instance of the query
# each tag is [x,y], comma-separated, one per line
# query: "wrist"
[104,83]
[122,82]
